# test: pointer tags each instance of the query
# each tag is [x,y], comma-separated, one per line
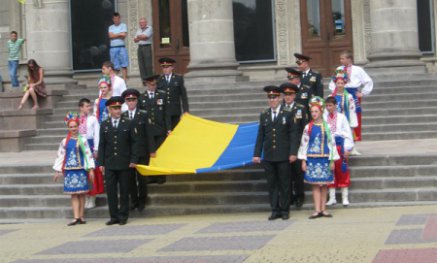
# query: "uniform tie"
[115,124]
[274,115]
[130,115]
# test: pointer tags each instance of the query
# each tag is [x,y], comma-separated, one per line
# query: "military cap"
[114,102]
[302,56]
[288,88]
[130,93]
[272,91]
[151,77]
[292,73]
[165,61]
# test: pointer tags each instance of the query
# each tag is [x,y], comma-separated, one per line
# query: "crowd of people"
[103,146]
[303,138]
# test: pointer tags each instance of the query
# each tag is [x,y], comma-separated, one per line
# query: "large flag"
[198,145]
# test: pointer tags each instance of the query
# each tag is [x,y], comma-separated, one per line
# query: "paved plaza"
[378,235]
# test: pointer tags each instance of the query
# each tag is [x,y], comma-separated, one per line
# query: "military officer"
[304,94]
[145,147]
[309,76]
[173,86]
[153,101]
[299,116]
[277,143]
[117,153]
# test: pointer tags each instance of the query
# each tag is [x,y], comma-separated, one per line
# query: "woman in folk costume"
[318,152]
[344,141]
[358,85]
[89,128]
[100,110]
[75,162]
[345,101]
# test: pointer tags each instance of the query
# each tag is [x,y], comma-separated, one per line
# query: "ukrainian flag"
[198,145]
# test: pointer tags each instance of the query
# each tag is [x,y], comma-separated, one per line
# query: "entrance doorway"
[170,25]
[326,32]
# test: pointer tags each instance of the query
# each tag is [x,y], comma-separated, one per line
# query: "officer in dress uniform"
[117,154]
[145,147]
[153,102]
[309,76]
[299,116]
[277,143]
[304,94]
[173,86]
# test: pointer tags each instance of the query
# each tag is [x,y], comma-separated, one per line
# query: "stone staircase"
[27,191]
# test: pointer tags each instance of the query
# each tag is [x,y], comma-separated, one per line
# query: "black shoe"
[285,216]
[133,206]
[112,222]
[141,208]
[315,215]
[123,222]
[274,216]
[75,222]
[81,221]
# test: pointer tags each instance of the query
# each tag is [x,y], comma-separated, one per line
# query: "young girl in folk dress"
[100,110]
[318,152]
[35,86]
[345,101]
[344,140]
[75,161]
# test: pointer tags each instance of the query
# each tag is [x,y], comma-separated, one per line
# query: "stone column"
[212,49]
[49,37]
[394,35]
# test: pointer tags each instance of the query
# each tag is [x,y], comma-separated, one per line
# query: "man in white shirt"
[358,85]
[143,38]
[118,85]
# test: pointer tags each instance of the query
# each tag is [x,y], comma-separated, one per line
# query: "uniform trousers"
[297,184]
[278,182]
[118,181]
[138,185]
[174,120]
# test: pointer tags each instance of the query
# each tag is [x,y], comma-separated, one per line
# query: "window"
[254,30]
[425,25]
[89,27]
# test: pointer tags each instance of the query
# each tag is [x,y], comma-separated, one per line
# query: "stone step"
[41,146]
[396,127]
[372,112]
[47,139]
[398,135]
[26,169]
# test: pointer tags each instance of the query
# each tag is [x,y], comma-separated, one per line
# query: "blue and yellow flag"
[198,145]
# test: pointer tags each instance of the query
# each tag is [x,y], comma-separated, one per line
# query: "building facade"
[226,38]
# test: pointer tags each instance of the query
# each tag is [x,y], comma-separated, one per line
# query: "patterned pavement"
[376,235]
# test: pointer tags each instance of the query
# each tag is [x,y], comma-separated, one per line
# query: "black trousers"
[278,181]
[174,120]
[138,185]
[297,185]
[117,181]
[159,139]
